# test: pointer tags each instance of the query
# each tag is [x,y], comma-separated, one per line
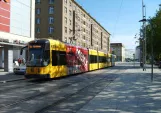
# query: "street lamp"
[152,55]
[144,34]
[144,42]
[134,59]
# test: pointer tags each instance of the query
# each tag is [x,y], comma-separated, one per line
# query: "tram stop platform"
[132,92]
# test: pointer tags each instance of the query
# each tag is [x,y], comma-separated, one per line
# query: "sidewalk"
[132,92]
[8,77]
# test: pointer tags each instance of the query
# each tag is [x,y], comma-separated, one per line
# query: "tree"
[153,30]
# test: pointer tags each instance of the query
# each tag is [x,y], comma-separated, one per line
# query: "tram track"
[76,94]
[52,90]
[76,98]
[71,95]
[41,93]
[10,86]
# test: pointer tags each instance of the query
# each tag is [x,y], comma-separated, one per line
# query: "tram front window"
[38,57]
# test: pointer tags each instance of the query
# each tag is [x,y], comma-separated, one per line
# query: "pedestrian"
[19,61]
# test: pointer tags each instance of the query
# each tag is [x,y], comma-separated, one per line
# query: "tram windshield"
[38,56]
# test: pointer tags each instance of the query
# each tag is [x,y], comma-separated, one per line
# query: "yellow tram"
[48,58]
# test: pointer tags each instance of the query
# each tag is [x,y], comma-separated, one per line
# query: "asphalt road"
[64,95]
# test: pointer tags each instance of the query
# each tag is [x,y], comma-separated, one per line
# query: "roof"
[117,44]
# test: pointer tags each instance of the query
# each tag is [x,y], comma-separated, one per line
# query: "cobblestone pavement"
[132,92]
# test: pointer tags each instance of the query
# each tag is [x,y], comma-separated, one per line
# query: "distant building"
[137,53]
[129,53]
[119,50]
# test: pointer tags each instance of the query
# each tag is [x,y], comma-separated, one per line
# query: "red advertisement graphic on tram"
[77,59]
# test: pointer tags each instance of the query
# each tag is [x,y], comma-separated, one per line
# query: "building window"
[65,39]
[37,20]
[78,18]
[84,45]
[51,1]
[74,7]
[78,11]
[84,22]
[84,30]
[70,4]
[38,11]
[70,12]
[87,24]
[78,26]
[65,20]
[51,20]
[78,34]
[82,13]
[70,31]
[65,29]
[37,1]
[87,31]
[84,37]
[38,30]
[65,9]
[51,10]
[65,1]
[51,30]
[70,22]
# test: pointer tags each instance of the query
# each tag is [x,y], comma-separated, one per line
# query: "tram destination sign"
[35,46]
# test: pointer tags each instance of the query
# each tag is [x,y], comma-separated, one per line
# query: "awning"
[12,44]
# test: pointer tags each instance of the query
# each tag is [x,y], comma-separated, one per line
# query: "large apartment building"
[67,21]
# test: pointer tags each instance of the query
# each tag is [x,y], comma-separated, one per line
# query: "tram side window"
[102,59]
[108,59]
[58,58]
[62,58]
[93,59]
[46,59]
[54,58]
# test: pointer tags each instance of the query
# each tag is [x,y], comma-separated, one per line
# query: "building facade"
[119,50]
[17,20]
[129,54]
[67,21]
[137,53]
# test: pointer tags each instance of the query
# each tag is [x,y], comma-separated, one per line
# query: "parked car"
[19,69]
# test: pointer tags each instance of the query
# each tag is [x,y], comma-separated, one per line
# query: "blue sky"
[120,20]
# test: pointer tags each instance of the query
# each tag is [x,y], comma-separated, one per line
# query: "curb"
[12,80]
